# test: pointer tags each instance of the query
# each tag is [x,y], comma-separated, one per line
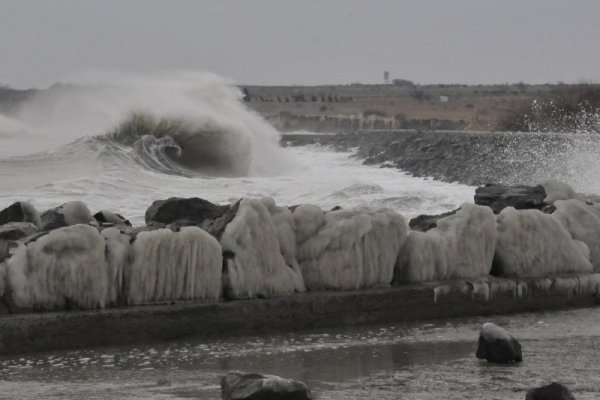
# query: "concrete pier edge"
[43,331]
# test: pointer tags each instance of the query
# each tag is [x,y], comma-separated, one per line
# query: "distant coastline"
[343,108]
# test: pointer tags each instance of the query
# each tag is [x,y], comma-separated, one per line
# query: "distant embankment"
[473,158]
[404,105]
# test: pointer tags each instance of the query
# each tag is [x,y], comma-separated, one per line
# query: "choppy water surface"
[424,360]
[315,175]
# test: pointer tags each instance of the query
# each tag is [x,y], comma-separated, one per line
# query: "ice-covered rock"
[531,243]
[461,246]
[167,265]
[309,218]
[254,265]
[348,249]
[553,391]
[582,221]
[109,217]
[71,213]
[14,231]
[241,386]
[20,211]
[497,345]
[66,267]
[556,190]
[118,251]
[520,197]
[3,279]
[285,226]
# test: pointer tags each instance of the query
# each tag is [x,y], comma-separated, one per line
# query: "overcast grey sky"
[304,42]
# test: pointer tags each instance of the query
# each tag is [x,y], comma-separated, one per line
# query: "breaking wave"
[186,123]
[183,146]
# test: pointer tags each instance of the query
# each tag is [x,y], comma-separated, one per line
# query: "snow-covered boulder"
[582,221]
[66,267]
[254,264]
[531,243]
[348,249]
[241,386]
[167,265]
[497,345]
[461,246]
[71,213]
[20,211]
[553,391]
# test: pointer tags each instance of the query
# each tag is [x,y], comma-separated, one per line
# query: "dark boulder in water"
[520,197]
[497,345]
[424,222]
[240,386]
[193,211]
[71,213]
[108,217]
[553,391]
[20,211]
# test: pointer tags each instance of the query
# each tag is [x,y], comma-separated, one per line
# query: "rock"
[20,211]
[71,213]
[194,211]
[556,190]
[582,221]
[497,345]
[163,382]
[14,231]
[553,391]
[240,386]
[531,243]
[108,217]
[424,222]
[520,197]
[17,230]
[460,246]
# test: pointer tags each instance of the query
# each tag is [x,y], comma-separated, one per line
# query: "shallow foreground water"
[424,360]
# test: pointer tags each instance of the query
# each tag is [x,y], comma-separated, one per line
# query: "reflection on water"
[425,360]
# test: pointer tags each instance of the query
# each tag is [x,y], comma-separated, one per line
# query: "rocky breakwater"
[472,158]
[310,267]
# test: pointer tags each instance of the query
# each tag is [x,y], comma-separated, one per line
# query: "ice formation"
[117,261]
[31,214]
[254,265]
[348,249]
[65,267]
[2,278]
[531,243]
[286,233]
[167,265]
[556,190]
[462,246]
[582,221]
